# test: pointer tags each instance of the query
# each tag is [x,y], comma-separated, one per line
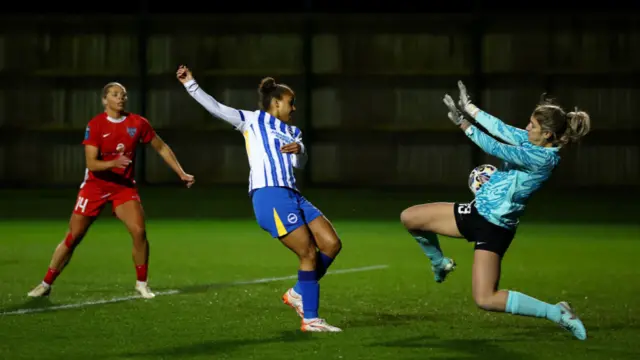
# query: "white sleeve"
[300,160]
[233,116]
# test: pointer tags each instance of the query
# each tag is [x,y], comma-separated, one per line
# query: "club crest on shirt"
[132,131]
[292,218]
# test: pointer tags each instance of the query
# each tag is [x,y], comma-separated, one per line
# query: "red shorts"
[91,198]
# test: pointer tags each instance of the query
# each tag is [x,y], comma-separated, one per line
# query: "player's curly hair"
[269,90]
[565,127]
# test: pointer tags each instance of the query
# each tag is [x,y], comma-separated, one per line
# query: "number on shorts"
[82,204]
[464,209]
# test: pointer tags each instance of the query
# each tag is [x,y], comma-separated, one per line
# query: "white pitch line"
[173,292]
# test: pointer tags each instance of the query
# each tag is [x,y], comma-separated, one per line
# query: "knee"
[307,254]
[138,233]
[409,218]
[337,246]
[332,246]
[485,301]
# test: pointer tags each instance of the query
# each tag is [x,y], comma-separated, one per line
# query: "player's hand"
[293,148]
[464,96]
[465,101]
[121,162]
[188,179]
[184,74]
[454,114]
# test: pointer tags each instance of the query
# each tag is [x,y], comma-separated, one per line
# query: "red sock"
[51,276]
[141,272]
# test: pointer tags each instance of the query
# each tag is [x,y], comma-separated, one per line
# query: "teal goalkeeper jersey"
[526,167]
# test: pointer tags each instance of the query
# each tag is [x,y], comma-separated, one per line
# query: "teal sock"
[429,243]
[521,304]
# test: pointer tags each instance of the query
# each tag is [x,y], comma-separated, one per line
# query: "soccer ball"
[479,176]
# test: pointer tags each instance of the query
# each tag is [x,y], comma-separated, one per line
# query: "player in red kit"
[110,143]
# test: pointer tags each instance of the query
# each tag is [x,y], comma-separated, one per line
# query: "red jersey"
[113,138]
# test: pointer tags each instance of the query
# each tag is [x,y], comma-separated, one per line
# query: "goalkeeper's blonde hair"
[565,127]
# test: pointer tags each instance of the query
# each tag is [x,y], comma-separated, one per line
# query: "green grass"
[394,313]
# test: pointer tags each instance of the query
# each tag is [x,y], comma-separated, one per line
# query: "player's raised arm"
[215,108]
[510,153]
[513,154]
[494,126]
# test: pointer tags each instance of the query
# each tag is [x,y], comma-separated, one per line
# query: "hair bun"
[267,85]
[578,125]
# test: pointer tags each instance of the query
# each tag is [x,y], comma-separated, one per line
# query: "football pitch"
[219,280]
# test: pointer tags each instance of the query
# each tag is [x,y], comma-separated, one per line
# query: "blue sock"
[323,263]
[521,304]
[310,293]
[429,243]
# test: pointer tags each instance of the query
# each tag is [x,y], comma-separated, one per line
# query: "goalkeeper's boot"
[442,269]
[571,322]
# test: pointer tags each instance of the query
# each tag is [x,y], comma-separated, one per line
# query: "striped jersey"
[264,135]
[526,167]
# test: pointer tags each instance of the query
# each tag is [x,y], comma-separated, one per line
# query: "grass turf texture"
[568,248]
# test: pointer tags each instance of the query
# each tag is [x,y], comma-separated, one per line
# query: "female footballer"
[274,148]
[490,220]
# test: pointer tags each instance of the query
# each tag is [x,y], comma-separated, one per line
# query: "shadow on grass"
[30,304]
[468,349]
[214,347]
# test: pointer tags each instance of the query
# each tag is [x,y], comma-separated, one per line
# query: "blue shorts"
[280,210]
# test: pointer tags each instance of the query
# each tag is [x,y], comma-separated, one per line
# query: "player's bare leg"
[132,215]
[485,280]
[301,243]
[325,237]
[486,276]
[78,227]
[425,222]
[329,246]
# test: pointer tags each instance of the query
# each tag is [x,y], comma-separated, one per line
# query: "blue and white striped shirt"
[264,136]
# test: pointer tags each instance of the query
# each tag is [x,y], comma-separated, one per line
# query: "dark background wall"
[369,89]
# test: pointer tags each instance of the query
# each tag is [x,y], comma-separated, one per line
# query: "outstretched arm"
[232,116]
[513,154]
[494,126]
[509,153]
[170,158]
